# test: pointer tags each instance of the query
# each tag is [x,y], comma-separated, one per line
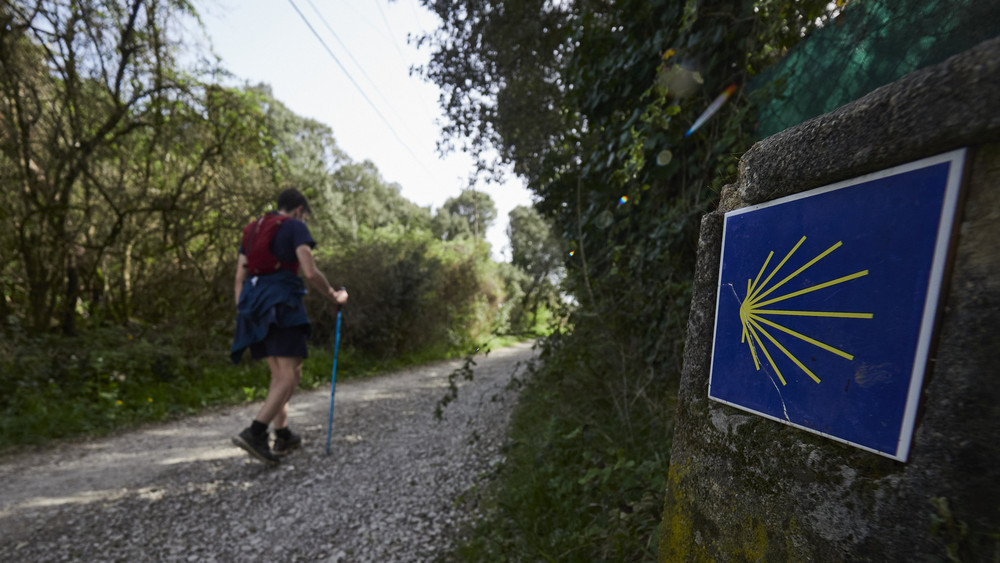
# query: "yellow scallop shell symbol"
[755,311]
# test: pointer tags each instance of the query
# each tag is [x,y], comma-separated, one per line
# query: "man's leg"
[285,440]
[285,375]
[281,419]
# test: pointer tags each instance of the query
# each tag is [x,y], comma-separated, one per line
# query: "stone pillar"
[745,488]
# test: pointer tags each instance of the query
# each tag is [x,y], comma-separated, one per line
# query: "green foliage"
[579,481]
[539,254]
[123,195]
[362,203]
[58,387]
[467,215]
[961,541]
[409,293]
[466,372]
[106,174]
[615,87]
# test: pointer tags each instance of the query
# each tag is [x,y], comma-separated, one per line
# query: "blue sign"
[827,301]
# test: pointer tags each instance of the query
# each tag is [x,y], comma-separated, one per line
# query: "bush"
[413,299]
[586,462]
[409,294]
[57,386]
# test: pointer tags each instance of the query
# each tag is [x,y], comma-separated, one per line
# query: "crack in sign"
[770,376]
[780,398]
[736,295]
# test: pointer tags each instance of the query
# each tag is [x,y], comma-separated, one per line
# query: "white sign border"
[939,265]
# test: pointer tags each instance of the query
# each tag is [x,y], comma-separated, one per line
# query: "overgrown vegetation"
[126,179]
[118,377]
[960,540]
[591,103]
[581,480]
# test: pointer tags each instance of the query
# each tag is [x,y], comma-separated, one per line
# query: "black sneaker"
[256,446]
[283,446]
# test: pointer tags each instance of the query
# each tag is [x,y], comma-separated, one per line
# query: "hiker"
[271,318]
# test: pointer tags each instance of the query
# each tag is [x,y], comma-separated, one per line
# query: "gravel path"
[392,489]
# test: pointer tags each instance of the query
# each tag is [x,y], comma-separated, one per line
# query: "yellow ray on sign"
[753,314]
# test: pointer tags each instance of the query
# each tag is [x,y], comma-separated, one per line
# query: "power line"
[350,4]
[362,92]
[392,36]
[416,16]
[359,65]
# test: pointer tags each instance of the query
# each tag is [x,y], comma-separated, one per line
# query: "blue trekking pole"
[333,383]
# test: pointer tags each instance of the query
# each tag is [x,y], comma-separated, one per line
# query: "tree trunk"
[4,310]
[38,288]
[72,294]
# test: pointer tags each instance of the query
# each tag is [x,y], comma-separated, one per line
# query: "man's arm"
[315,277]
[241,275]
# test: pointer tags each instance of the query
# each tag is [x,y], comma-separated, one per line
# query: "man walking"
[271,317]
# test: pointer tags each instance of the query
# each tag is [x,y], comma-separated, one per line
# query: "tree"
[466,215]
[366,203]
[537,251]
[612,165]
[498,66]
[80,83]
[304,151]
[590,101]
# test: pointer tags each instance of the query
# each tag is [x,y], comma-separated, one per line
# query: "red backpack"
[257,239]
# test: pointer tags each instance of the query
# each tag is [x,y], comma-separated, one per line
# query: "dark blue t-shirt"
[292,234]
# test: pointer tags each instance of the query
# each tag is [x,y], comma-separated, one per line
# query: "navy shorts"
[282,341]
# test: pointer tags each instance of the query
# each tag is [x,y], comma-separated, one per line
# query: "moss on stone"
[744,489]
[677,540]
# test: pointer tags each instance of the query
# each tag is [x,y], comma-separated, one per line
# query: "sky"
[394,122]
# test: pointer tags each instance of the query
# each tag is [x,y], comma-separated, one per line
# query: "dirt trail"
[180,491]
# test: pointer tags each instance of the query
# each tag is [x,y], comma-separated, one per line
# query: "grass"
[55,387]
[578,482]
